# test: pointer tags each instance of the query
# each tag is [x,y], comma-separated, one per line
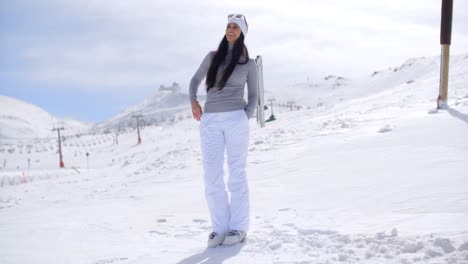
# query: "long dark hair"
[238,50]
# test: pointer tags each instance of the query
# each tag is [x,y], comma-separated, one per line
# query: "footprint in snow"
[113,260]
[332,245]
[386,128]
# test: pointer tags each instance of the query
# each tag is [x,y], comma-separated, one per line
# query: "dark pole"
[445,41]
[87,160]
[138,127]
[446,22]
[60,150]
[60,146]
[290,104]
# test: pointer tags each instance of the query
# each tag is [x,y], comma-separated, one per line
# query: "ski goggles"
[238,16]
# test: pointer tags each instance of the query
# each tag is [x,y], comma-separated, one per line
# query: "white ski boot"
[234,237]
[215,239]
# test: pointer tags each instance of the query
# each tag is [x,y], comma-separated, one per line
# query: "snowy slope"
[332,89]
[378,177]
[166,105]
[19,119]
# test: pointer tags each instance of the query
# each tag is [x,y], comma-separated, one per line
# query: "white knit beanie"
[241,23]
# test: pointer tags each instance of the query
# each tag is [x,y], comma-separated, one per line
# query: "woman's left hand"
[196,110]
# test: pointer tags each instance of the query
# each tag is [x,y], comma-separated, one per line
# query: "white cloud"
[143,43]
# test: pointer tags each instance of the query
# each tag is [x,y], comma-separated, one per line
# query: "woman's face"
[233,32]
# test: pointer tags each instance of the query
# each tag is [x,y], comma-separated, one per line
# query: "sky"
[90,60]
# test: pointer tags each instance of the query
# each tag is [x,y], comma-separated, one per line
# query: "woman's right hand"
[196,110]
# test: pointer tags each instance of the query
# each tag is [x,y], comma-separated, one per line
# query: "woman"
[225,125]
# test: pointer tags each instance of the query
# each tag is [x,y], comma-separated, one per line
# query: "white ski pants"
[230,131]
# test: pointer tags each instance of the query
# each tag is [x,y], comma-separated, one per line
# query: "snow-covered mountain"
[166,105]
[374,174]
[22,120]
[19,119]
[332,89]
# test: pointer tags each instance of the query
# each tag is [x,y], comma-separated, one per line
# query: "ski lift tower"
[61,164]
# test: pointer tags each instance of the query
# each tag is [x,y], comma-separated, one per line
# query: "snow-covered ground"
[371,175]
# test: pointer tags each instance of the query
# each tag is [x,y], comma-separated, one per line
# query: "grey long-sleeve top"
[231,97]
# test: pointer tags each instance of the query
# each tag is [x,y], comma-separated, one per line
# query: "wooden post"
[445,41]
